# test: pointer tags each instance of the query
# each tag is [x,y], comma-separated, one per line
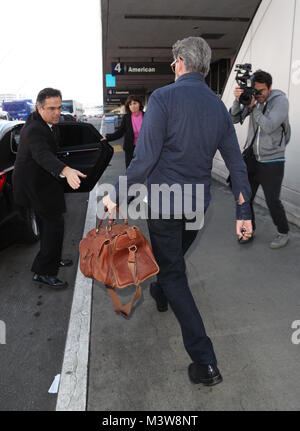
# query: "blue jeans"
[170,241]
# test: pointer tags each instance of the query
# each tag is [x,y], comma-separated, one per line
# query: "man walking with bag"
[268,134]
[184,125]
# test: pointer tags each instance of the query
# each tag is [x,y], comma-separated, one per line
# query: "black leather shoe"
[65,262]
[161,303]
[50,281]
[208,375]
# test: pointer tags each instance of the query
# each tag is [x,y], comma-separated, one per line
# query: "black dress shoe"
[51,281]
[65,262]
[208,375]
[161,302]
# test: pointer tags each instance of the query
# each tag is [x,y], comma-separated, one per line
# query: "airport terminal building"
[272,44]
[137,39]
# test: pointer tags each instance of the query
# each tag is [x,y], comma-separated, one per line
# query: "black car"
[80,147]
[65,116]
[9,138]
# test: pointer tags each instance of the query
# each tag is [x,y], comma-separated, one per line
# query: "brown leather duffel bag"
[117,255]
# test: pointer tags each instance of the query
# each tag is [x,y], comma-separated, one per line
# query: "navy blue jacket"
[183,127]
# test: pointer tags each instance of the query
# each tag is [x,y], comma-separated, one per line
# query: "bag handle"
[125,310]
[111,221]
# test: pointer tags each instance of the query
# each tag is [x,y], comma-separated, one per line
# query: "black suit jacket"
[36,178]
[125,130]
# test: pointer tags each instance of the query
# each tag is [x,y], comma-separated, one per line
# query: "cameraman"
[268,133]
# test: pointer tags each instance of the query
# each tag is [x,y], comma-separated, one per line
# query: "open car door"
[9,139]
[81,148]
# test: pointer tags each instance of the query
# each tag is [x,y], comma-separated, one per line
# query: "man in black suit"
[38,184]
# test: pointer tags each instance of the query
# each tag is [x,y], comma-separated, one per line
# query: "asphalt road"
[35,317]
[248,297]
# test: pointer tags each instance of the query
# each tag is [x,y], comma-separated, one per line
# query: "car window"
[15,139]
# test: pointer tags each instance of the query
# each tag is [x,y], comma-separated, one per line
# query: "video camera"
[246,82]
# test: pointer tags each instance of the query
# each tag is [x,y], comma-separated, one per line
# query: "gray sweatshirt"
[271,140]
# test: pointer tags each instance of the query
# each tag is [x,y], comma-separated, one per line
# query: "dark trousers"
[51,241]
[170,241]
[270,177]
[128,157]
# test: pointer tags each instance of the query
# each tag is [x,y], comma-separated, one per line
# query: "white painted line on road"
[72,394]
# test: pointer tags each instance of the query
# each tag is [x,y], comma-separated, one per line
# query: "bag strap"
[283,133]
[256,131]
[111,221]
[126,309]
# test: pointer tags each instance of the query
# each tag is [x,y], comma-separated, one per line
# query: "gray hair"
[195,53]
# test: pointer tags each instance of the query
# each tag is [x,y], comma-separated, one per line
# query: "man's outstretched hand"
[73,177]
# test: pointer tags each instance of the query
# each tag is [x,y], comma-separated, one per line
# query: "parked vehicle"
[66,116]
[19,109]
[4,115]
[9,138]
[73,107]
[109,123]
[80,147]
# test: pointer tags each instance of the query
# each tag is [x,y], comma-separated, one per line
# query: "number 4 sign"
[117,68]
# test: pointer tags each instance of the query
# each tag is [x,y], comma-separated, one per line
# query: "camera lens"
[246,97]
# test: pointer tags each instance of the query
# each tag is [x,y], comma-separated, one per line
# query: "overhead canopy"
[140,34]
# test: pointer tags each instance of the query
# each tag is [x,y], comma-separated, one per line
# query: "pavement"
[36,318]
[248,297]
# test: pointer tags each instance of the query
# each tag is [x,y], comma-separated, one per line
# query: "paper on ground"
[54,387]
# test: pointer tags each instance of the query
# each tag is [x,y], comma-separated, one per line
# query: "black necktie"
[55,133]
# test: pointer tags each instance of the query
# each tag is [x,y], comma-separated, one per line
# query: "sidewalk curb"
[72,394]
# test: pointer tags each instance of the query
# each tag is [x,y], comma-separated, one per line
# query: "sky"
[52,43]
